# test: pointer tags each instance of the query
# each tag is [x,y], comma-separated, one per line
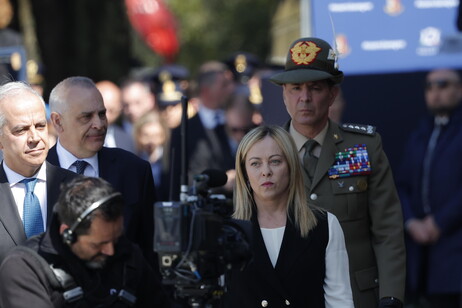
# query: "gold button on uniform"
[362,185]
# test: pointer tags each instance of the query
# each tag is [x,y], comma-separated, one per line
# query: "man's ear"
[334,91]
[63,227]
[56,119]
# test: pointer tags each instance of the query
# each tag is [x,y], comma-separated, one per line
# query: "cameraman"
[83,259]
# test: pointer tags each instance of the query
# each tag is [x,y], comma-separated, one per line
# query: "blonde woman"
[299,254]
[152,138]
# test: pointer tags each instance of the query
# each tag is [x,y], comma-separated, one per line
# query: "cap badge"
[332,55]
[240,63]
[304,52]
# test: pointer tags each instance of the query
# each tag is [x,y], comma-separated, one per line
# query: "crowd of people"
[328,227]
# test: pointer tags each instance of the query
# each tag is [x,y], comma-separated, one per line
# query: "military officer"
[346,173]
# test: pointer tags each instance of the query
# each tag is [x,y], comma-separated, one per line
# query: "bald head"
[112,99]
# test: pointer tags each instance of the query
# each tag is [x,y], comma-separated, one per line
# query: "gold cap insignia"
[304,52]
[240,63]
[165,76]
[169,92]
[15,61]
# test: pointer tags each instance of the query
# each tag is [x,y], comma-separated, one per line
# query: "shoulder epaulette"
[358,128]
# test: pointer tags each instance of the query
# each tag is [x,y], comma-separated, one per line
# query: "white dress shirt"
[110,141]
[209,117]
[67,159]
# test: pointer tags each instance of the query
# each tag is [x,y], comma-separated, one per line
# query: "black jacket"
[298,278]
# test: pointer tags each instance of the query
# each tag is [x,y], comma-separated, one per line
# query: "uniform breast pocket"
[353,190]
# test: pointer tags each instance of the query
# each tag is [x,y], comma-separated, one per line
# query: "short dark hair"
[78,194]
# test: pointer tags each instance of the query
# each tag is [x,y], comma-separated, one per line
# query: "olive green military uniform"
[356,186]
[369,211]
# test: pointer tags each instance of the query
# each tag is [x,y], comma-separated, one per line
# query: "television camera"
[197,242]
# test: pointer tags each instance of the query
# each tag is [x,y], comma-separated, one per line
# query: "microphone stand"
[184,150]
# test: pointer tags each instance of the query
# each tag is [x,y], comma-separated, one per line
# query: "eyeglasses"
[439,84]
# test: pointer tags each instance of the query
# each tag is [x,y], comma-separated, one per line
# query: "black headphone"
[68,235]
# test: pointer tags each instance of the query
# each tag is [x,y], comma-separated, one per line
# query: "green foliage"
[214,29]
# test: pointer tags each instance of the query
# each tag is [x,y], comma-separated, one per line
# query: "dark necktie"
[220,132]
[80,166]
[32,215]
[309,160]
[427,166]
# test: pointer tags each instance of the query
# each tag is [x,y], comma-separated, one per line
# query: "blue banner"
[389,36]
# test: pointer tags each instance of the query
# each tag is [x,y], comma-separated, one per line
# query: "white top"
[19,190]
[273,241]
[66,160]
[337,288]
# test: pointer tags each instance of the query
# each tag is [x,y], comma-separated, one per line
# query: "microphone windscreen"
[217,178]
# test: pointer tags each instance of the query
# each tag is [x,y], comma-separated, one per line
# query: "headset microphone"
[68,235]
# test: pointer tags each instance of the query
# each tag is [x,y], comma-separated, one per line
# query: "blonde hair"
[297,203]
[152,116]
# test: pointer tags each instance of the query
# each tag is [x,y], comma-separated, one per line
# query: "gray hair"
[12,89]
[58,96]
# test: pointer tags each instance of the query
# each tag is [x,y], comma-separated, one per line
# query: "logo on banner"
[343,46]
[430,40]
[393,7]
[304,52]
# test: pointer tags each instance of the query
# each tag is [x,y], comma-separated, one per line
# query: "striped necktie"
[80,166]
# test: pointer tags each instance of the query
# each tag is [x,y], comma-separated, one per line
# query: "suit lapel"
[55,177]
[9,215]
[52,156]
[327,156]
[105,161]
[292,248]
[262,262]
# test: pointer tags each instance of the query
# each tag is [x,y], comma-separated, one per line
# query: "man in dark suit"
[207,144]
[79,117]
[137,99]
[346,173]
[24,141]
[116,137]
[429,184]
